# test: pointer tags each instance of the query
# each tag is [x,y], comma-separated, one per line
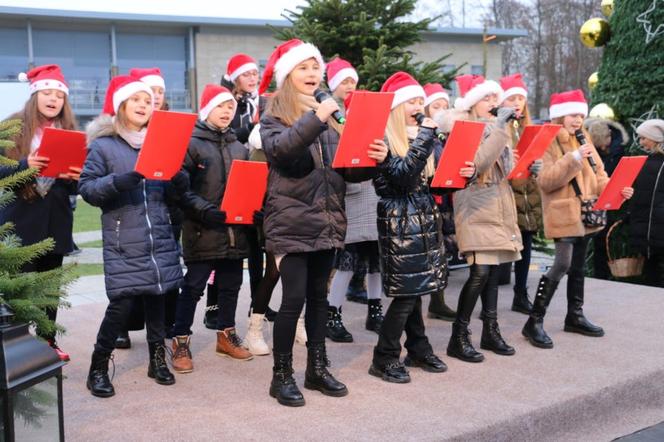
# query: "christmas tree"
[373,35]
[28,294]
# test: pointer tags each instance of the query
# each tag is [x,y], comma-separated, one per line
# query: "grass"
[88,269]
[93,244]
[86,217]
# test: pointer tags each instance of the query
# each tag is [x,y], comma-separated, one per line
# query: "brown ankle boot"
[229,344]
[182,362]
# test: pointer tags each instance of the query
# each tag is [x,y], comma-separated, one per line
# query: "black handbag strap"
[574,183]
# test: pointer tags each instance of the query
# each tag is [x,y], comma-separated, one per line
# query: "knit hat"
[473,88]
[337,71]
[120,89]
[238,64]
[151,76]
[653,129]
[48,76]
[568,103]
[513,85]
[435,92]
[284,59]
[404,86]
[213,95]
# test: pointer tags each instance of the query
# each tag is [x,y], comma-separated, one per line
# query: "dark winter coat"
[410,239]
[208,162]
[37,218]
[646,209]
[140,253]
[304,208]
[528,204]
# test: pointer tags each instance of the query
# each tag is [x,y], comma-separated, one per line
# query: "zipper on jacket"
[231,237]
[526,207]
[652,207]
[327,192]
[117,233]
[147,218]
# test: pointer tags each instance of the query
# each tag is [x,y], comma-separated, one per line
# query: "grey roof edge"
[229,21]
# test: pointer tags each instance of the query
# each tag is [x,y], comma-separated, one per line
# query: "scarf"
[134,138]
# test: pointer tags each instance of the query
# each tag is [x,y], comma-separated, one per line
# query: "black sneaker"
[430,363]
[394,372]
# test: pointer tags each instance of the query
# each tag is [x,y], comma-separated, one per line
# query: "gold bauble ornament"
[603,111]
[593,80]
[595,32]
[607,8]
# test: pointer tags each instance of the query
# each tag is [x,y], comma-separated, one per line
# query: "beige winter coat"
[562,208]
[485,215]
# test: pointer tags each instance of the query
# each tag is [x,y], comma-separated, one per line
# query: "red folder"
[625,173]
[366,123]
[527,137]
[165,145]
[245,190]
[535,150]
[64,149]
[463,142]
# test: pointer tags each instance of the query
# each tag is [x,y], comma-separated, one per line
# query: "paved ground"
[584,389]
[650,434]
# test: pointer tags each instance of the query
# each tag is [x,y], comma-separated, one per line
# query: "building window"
[477,69]
[167,52]
[13,52]
[448,68]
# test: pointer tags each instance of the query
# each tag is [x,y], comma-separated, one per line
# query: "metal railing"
[92,100]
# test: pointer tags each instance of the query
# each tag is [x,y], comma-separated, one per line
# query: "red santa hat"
[120,89]
[513,85]
[473,88]
[568,103]
[151,76]
[238,64]
[338,70]
[404,86]
[284,59]
[213,95]
[48,76]
[435,92]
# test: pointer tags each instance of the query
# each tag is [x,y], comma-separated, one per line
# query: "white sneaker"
[254,341]
[301,332]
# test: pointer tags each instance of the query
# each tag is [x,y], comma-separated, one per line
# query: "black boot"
[123,341]
[533,330]
[158,370]
[575,321]
[374,316]
[394,372]
[460,346]
[335,327]
[438,309]
[430,363]
[492,340]
[357,292]
[211,309]
[317,377]
[521,303]
[98,382]
[283,386]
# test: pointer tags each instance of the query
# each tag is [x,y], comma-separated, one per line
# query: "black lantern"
[30,385]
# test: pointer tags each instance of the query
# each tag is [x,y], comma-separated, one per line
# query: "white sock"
[339,287]
[374,286]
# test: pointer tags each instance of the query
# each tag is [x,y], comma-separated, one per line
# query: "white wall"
[13,96]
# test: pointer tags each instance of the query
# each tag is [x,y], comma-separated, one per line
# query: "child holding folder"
[140,253]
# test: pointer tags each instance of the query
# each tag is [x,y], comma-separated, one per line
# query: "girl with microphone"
[568,167]
[304,214]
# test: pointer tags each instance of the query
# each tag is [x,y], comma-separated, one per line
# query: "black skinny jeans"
[403,314]
[263,293]
[522,266]
[227,277]
[50,261]
[255,260]
[117,315]
[303,276]
[482,280]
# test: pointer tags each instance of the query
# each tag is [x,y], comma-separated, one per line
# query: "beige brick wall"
[215,45]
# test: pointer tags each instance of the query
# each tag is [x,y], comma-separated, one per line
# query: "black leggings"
[303,276]
[50,261]
[483,280]
[263,293]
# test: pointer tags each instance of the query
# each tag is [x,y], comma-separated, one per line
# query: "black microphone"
[494,112]
[321,96]
[582,140]
[419,117]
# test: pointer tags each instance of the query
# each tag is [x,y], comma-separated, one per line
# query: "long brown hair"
[32,120]
[523,122]
[285,104]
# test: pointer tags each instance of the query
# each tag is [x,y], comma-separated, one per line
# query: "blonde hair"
[285,104]
[397,137]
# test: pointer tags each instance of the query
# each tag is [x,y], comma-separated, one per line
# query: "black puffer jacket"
[208,162]
[646,210]
[304,208]
[140,253]
[410,237]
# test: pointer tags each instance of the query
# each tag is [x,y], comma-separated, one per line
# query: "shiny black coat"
[412,254]
[646,210]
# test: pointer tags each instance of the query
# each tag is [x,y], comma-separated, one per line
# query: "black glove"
[180,181]
[127,181]
[258,217]
[214,217]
